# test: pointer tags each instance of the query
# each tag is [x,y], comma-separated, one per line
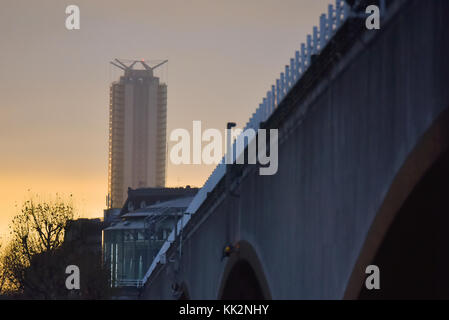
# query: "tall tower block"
[137,131]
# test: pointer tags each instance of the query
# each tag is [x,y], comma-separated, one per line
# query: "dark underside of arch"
[414,256]
[242,283]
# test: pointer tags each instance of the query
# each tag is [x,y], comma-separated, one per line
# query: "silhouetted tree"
[37,229]
[35,259]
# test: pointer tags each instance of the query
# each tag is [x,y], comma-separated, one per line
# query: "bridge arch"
[243,277]
[425,172]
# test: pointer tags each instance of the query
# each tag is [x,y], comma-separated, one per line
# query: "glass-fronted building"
[133,239]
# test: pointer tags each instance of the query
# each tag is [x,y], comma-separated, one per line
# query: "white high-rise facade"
[137,131]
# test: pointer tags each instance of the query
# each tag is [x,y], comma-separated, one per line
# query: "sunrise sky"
[223,57]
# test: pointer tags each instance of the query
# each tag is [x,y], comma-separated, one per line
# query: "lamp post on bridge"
[228,163]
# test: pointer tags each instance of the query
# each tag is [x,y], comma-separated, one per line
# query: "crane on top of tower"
[124,67]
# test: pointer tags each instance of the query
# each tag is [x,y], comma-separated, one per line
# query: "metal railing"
[315,43]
